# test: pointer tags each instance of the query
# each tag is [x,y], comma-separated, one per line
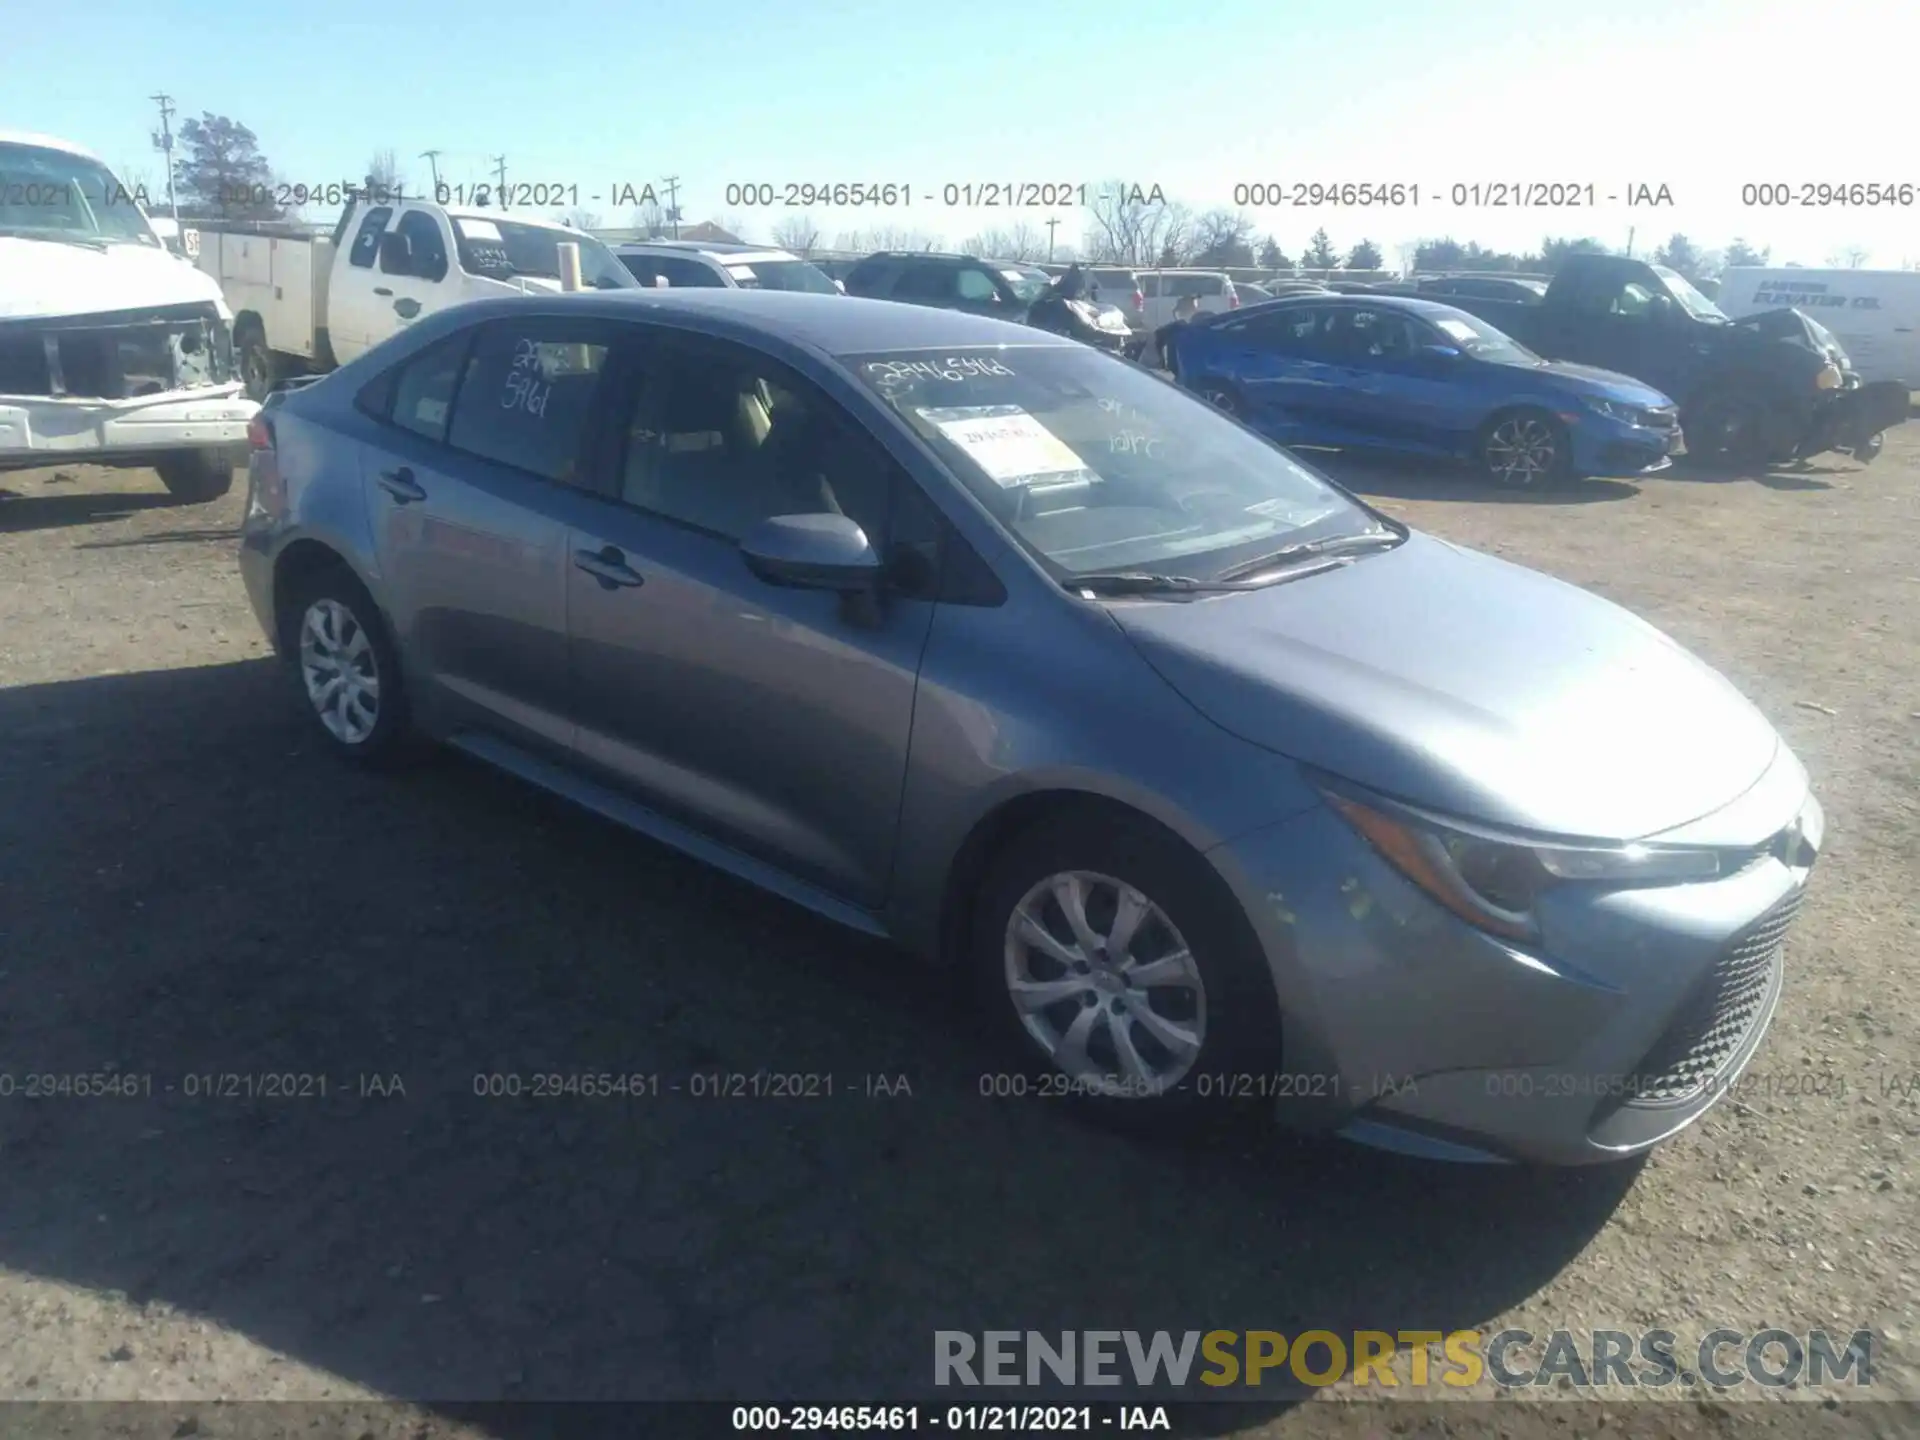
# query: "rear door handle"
[401,485]
[609,567]
[381,290]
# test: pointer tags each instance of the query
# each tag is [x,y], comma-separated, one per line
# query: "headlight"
[1493,880]
[1829,377]
[1614,410]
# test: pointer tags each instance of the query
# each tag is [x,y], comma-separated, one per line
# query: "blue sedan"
[1396,373]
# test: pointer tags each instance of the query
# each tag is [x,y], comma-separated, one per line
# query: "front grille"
[1717,1016]
[1664,419]
[116,356]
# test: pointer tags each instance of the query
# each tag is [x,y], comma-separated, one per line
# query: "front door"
[774,720]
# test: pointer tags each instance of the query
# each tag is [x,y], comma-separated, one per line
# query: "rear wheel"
[196,476]
[255,360]
[1525,450]
[1118,972]
[1869,450]
[348,670]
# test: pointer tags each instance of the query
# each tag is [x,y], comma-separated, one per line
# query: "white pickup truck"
[113,350]
[305,302]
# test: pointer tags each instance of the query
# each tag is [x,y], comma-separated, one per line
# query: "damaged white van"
[113,350]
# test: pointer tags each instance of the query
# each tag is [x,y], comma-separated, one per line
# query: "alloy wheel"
[341,671]
[1105,984]
[1522,451]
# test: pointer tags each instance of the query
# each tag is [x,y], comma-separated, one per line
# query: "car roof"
[1413,304]
[833,324]
[494,216]
[716,250]
[44,142]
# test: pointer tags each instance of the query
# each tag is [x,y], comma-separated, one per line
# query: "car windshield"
[1691,300]
[1027,285]
[1481,340]
[1095,465]
[780,275]
[63,196]
[501,249]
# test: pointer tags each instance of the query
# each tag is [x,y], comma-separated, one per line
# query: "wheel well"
[246,322]
[993,831]
[299,562]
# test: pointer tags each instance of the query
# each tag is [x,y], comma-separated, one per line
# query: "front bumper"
[36,430]
[1603,446]
[1407,1028]
[1850,419]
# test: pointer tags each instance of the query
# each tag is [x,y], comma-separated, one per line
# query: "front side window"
[527,394]
[724,438]
[427,257]
[1092,464]
[977,287]
[926,282]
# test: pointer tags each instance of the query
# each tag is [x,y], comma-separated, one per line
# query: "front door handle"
[401,485]
[609,567]
[381,290]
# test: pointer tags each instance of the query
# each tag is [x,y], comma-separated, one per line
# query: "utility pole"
[1052,221]
[500,178]
[432,157]
[1630,242]
[163,142]
[672,183]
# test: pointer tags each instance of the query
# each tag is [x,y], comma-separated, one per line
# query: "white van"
[112,351]
[1875,314]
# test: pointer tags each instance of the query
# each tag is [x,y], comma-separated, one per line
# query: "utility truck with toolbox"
[1769,387]
[113,350]
[304,302]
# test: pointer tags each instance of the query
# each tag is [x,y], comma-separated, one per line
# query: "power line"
[163,142]
[672,184]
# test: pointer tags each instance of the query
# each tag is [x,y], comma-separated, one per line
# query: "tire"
[1222,999]
[335,630]
[1525,450]
[1869,450]
[257,368]
[1726,428]
[196,476]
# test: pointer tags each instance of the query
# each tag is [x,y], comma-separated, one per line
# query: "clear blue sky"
[1192,96]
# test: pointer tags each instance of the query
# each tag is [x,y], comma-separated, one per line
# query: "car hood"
[1468,685]
[42,279]
[1601,384]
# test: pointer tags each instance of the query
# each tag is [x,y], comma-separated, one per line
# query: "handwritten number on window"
[525,390]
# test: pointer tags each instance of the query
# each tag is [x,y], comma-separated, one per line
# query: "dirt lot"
[188,888]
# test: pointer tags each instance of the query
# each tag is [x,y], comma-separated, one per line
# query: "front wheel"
[1525,450]
[1728,429]
[196,476]
[257,370]
[1869,450]
[1118,971]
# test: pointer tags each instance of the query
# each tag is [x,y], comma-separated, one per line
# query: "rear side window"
[872,277]
[527,393]
[683,273]
[424,386]
[928,282]
[366,240]
[1150,286]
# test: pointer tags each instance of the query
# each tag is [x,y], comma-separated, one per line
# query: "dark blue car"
[1399,373]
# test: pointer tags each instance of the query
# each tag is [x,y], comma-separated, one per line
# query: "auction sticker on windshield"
[478,229]
[1009,444]
[1458,329]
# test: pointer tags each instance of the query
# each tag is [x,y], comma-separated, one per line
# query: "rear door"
[773,720]
[1274,362]
[471,500]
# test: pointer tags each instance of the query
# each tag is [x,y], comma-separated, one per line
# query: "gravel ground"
[189,888]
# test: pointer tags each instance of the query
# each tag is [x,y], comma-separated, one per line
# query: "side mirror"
[812,552]
[396,253]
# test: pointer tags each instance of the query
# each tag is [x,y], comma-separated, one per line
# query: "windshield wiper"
[1332,544]
[58,237]
[1140,582]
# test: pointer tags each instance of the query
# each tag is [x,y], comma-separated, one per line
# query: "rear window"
[781,275]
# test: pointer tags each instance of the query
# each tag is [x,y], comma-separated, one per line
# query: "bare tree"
[799,234]
[383,174]
[1851,258]
[1223,237]
[1126,229]
[1026,242]
[581,219]
[887,237]
[650,219]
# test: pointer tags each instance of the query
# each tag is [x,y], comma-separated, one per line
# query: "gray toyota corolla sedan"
[1227,789]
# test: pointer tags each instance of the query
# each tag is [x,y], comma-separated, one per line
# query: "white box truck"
[304,302]
[1874,314]
[113,350]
